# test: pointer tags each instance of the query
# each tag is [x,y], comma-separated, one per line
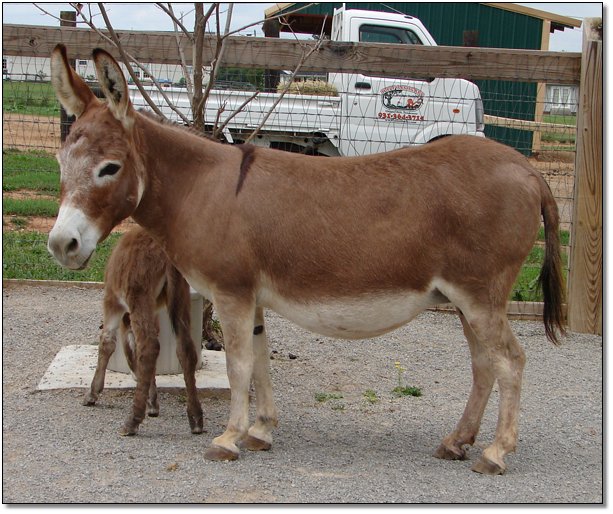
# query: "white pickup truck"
[368,114]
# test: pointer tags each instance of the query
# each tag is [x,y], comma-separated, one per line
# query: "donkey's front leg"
[259,436]
[236,316]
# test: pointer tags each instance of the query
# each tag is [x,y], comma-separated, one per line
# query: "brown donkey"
[347,247]
[139,280]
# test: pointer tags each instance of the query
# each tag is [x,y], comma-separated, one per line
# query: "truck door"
[381,114]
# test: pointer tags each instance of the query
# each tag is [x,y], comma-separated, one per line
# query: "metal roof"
[310,21]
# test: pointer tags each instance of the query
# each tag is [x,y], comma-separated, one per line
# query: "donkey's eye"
[110,169]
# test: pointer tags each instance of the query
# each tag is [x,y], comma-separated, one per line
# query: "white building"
[39,69]
[561,99]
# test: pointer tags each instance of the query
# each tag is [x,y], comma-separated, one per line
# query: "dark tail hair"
[551,279]
[178,301]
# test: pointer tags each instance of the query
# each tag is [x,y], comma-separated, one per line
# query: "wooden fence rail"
[383,60]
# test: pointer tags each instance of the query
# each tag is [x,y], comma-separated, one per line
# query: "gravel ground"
[343,450]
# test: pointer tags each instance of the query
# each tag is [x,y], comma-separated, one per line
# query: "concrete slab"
[74,366]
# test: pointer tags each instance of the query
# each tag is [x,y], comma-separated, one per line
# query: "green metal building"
[492,25]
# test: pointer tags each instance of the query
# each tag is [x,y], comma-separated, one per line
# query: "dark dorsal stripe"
[248,156]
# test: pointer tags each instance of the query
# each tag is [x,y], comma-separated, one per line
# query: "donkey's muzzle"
[73,239]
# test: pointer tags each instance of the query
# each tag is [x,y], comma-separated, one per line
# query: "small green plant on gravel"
[333,398]
[401,389]
[371,396]
[324,397]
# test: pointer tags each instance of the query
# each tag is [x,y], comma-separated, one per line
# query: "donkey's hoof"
[254,444]
[488,467]
[128,429]
[196,425]
[447,453]
[217,453]
[153,413]
[89,401]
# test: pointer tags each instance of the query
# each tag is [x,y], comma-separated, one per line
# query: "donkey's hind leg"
[467,428]
[145,327]
[496,355]
[126,335]
[508,361]
[106,347]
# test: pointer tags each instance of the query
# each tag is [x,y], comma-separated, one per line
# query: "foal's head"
[102,178]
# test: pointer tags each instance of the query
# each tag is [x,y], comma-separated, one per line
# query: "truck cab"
[381,114]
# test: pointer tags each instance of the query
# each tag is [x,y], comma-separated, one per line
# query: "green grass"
[25,256]
[30,207]
[560,138]
[29,98]
[526,288]
[35,171]
[370,396]
[399,391]
[324,397]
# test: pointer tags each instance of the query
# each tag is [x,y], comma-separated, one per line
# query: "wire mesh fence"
[334,117]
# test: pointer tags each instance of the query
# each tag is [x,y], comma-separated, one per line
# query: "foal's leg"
[236,316]
[186,352]
[259,436]
[106,347]
[178,304]
[145,327]
[483,380]
[126,335]
[153,405]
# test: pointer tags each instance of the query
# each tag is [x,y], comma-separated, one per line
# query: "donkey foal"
[139,280]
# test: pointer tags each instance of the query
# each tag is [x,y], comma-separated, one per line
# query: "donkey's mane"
[165,121]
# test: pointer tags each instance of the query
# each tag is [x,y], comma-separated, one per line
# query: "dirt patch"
[44,225]
[30,132]
[27,195]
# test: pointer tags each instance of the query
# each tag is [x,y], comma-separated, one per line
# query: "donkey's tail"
[551,279]
[178,301]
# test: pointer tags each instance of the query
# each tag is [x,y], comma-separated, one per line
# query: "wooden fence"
[585,270]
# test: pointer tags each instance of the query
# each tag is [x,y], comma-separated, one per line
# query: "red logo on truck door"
[400,100]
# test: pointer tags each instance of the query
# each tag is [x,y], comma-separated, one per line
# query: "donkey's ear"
[113,85]
[72,92]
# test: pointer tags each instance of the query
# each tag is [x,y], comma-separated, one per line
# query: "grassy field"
[30,207]
[25,256]
[560,119]
[29,98]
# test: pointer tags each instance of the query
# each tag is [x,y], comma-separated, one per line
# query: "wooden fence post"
[67,19]
[585,270]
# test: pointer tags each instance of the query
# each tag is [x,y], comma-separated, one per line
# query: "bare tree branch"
[219,129]
[305,56]
[178,23]
[219,51]
[127,59]
[186,74]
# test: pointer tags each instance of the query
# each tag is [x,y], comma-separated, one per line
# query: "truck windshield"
[395,35]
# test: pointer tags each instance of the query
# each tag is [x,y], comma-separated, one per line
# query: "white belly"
[350,318]
[359,317]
